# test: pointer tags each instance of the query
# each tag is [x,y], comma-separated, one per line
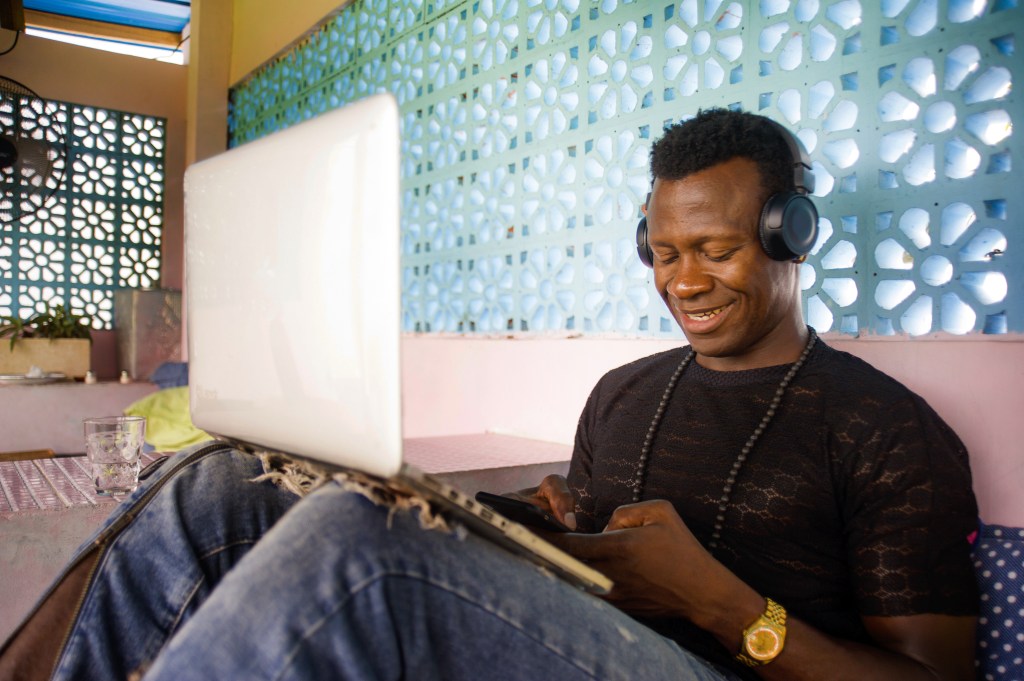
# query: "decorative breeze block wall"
[527,125]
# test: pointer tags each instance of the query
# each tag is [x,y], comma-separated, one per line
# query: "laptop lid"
[293,290]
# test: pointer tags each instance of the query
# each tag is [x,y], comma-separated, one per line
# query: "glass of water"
[113,445]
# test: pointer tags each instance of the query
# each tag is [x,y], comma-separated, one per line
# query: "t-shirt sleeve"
[580,477]
[909,510]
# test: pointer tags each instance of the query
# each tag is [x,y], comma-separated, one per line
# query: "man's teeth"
[704,316]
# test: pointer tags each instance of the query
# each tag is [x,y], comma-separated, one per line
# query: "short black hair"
[715,136]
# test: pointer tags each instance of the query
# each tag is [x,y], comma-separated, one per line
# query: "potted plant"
[56,341]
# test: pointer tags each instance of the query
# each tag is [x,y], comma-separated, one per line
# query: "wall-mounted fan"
[33,150]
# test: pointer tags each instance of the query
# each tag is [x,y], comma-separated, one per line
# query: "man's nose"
[689,278]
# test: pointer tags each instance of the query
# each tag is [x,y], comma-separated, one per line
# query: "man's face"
[738,308]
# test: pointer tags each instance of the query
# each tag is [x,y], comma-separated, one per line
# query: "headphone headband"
[803,175]
[789,220]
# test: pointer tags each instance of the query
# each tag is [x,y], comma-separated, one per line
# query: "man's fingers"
[569,520]
[552,495]
[555,491]
[638,515]
[590,548]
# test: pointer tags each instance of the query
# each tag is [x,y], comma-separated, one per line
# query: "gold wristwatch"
[763,640]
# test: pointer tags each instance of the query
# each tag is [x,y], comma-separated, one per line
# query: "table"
[61,482]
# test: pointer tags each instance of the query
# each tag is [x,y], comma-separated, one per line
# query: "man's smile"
[701,321]
[705,315]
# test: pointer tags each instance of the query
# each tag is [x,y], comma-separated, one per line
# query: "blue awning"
[159,15]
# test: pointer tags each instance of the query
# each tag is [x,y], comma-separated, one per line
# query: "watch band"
[774,619]
[775,613]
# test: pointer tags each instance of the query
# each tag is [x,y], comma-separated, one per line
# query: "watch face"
[763,643]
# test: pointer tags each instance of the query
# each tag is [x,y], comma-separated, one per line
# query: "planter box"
[68,356]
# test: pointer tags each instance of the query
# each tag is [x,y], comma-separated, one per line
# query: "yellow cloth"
[168,423]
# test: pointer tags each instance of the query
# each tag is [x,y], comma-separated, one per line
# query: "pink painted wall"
[50,416]
[537,387]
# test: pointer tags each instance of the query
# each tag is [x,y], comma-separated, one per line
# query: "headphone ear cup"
[789,226]
[643,249]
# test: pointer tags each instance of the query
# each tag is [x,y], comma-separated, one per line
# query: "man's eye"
[666,258]
[720,256]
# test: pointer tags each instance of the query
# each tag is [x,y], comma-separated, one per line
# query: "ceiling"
[169,16]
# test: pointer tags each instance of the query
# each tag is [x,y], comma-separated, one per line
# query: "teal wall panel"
[527,125]
[102,227]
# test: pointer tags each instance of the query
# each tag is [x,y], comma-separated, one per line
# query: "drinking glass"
[113,445]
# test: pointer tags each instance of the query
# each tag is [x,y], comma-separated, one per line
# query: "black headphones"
[789,220]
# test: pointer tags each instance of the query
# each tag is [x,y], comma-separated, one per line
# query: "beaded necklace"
[723,502]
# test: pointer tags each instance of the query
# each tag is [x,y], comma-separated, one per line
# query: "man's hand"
[658,566]
[552,495]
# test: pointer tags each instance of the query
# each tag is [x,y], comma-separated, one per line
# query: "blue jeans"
[338,588]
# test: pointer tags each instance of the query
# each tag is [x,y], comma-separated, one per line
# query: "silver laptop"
[294,308]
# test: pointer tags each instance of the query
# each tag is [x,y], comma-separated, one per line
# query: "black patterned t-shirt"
[855,501]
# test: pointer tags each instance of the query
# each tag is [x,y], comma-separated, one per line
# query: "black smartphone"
[522,512]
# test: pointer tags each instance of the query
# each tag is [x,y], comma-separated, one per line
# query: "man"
[763,465]
[834,497]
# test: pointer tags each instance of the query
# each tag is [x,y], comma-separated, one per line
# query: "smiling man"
[776,506]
